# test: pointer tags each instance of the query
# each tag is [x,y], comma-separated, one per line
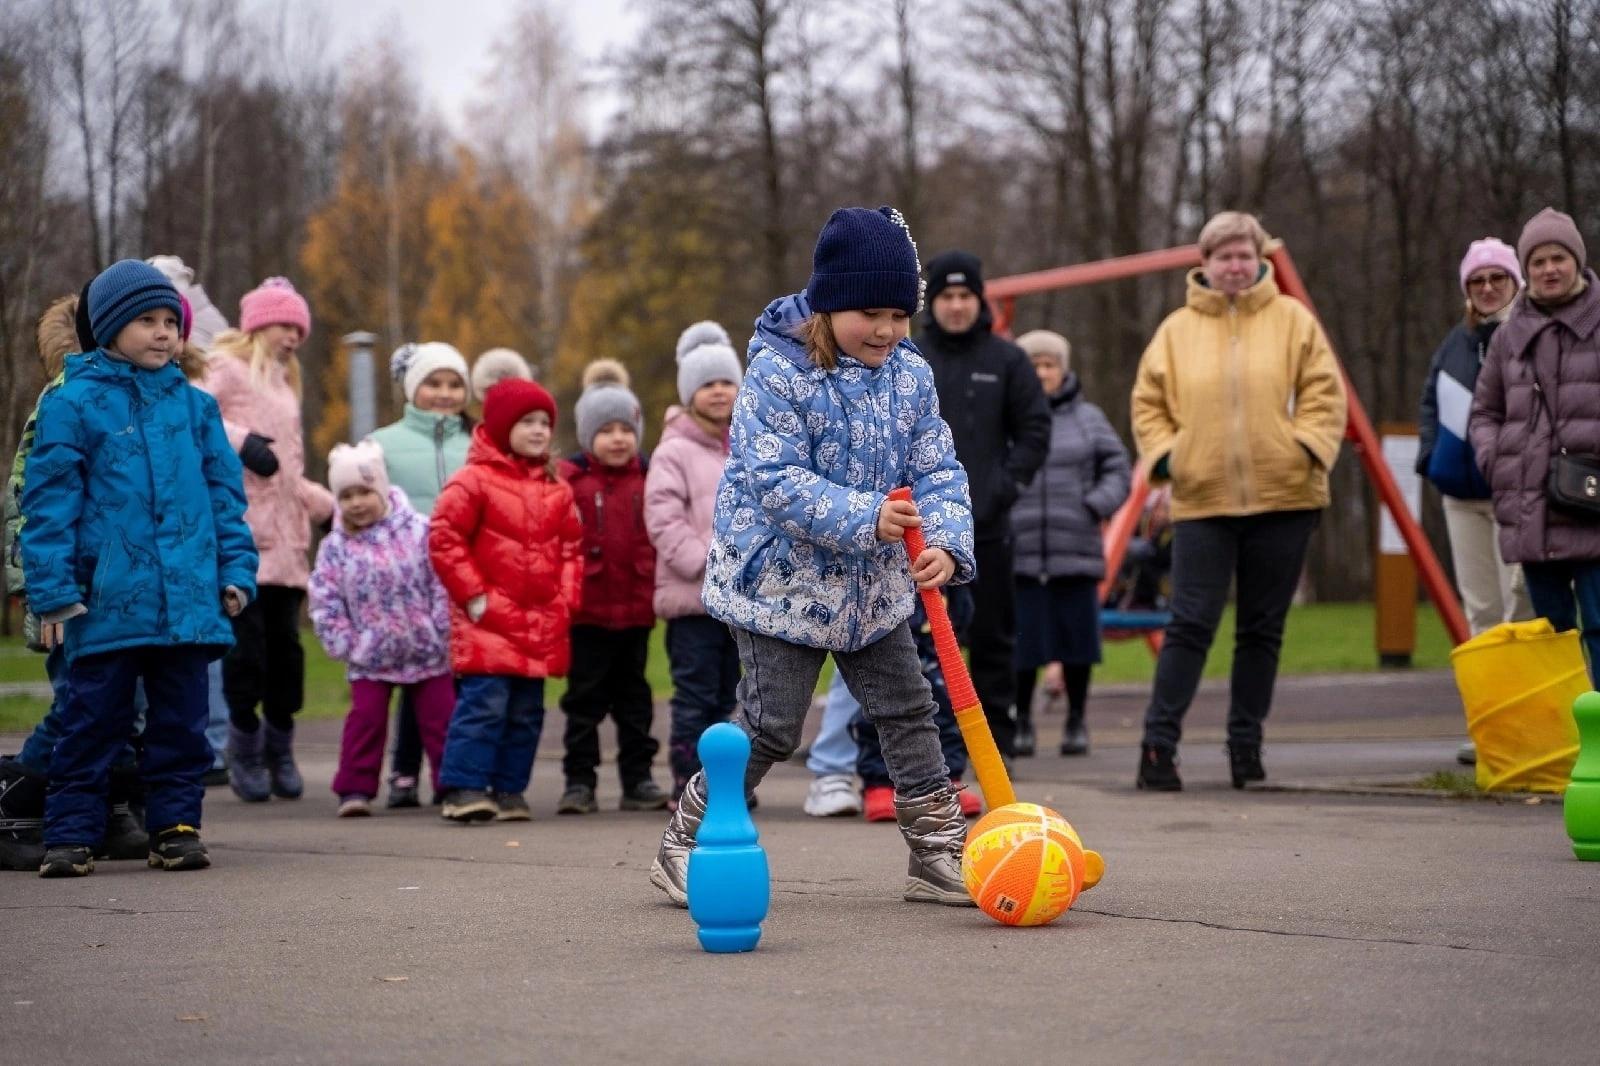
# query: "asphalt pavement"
[1336,921]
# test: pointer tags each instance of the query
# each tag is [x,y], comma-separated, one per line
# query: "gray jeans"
[780,679]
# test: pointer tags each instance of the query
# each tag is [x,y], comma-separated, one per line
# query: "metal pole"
[362,394]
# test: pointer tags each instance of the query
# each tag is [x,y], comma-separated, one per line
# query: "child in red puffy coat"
[505,540]
[611,634]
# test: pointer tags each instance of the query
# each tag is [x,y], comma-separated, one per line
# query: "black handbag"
[1573,486]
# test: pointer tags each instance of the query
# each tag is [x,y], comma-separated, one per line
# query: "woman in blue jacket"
[1490,279]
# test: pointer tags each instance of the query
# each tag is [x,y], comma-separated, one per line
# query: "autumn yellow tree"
[484,282]
[366,251]
[651,263]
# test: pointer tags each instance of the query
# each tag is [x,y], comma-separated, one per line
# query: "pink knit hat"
[274,303]
[1490,252]
[358,464]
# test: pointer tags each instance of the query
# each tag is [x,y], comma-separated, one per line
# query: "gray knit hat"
[606,398]
[1552,227]
[705,354]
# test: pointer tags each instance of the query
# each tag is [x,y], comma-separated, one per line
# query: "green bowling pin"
[1581,808]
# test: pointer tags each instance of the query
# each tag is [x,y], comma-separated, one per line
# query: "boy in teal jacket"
[135,551]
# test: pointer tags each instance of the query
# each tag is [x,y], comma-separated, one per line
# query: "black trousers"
[407,738]
[607,677]
[1265,553]
[991,637]
[266,664]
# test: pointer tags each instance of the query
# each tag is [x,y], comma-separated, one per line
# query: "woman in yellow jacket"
[1239,402]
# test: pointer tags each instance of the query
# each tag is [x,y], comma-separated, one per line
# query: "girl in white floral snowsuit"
[837,410]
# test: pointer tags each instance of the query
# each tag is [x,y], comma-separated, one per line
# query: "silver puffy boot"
[936,833]
[670,871]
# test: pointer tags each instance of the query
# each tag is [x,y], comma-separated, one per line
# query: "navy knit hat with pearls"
[122,292]
[865,259]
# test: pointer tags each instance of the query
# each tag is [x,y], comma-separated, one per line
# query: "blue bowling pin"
[729,886]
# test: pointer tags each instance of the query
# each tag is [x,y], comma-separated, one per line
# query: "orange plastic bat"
[981,750]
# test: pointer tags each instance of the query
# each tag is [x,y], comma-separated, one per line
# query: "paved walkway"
[1231,926]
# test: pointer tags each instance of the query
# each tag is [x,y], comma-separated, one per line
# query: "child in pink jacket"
[254,373]
[378,606]
[680,494]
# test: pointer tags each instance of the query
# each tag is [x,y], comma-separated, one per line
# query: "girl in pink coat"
[254,373]
[680,494]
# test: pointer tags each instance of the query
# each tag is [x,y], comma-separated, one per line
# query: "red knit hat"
[507,402]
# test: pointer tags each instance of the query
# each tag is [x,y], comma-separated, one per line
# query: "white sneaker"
[832,795]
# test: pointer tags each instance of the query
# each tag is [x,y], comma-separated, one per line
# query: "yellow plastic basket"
[1517,682]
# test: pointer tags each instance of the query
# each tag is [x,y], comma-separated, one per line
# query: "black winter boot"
[1075,739]
[247,774]
[21,816]
[1244,762]
[277,751]
[1158,769]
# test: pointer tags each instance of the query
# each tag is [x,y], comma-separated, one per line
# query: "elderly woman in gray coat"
[1056,526]
[1538,399]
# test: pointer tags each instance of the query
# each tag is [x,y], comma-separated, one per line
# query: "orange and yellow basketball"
[1025,865]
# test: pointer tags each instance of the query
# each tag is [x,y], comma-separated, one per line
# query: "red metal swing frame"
[1002,294]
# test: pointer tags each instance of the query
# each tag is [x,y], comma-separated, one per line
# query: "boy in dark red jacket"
[611,633]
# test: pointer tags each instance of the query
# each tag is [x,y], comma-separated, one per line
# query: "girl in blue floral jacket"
[837,410]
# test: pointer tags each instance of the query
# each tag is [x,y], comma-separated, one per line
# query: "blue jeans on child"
[1561,592]
[41,743]
[217,718]
[96,721]
[493,734]
[834,750]
[705,679]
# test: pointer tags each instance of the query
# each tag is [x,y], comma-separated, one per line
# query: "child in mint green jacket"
[430,441]
[421,452]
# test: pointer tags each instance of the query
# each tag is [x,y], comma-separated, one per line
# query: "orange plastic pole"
[1114,539]
[990,769]
[1359,431]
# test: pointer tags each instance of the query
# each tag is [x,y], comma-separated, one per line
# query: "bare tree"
[101,44]
[529,121]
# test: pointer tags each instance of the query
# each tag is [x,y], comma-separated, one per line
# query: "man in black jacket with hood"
[998,416]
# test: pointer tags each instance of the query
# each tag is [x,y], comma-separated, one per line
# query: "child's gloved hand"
[476,606]
[895,517]
[933,568]
[233,601]
[257,455]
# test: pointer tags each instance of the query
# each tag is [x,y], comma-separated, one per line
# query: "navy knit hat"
[864,259]
[122,292]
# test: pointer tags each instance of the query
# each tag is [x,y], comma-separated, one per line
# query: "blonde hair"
[1232,226]
[252,348]
[816,333]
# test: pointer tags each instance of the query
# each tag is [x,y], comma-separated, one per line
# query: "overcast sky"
[450,38]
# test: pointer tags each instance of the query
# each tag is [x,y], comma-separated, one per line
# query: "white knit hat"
[434,355]
[358,464]
[705,354]
[606,398]
[497,364]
